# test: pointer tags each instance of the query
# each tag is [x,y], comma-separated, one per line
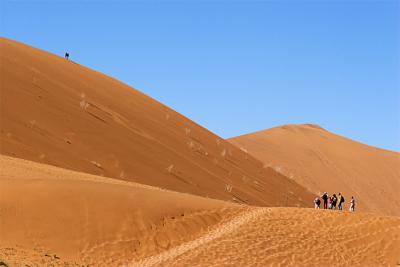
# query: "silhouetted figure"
[66,55]
[341,201]
[334,201]
[317,203]
[325,199]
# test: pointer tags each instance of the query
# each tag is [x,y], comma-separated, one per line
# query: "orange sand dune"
[322,161]
[55,217]
[57,112]
[94,220]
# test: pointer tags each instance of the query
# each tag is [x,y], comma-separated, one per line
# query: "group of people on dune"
[330,202]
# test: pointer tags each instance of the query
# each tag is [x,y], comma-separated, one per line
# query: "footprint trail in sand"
[226,228]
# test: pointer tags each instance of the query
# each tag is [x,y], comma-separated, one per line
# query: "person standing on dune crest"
[66,55]
[317,203]
[334,201]
[325,199]
[341,201]
[352,204]
[330,203]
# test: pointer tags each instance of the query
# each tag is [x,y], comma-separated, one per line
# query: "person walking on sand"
[352,204]
[317,203]
[325,199]
[341,201]
[66,55]
[334,201]
[330,203]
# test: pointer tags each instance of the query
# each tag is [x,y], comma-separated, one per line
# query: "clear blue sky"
[237,66]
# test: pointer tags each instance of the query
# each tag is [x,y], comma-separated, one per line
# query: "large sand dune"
[55,217]
[57,112]
[89,165]
[322,161]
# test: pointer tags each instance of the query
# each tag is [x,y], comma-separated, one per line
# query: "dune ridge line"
[224,229]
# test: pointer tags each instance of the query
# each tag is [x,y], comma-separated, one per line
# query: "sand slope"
[57,112]
[322,161]
[94,220]
[299,237]
[51,216]
[220,231]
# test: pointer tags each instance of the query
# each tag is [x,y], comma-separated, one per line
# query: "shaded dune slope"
[323,161]
[57,112]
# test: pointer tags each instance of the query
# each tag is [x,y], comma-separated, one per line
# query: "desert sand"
[95,173]
[323,161]
[100,221]
[301,237]
[60,217]
[57,112]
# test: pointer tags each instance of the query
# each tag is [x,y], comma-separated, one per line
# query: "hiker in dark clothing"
[317,203]
[334,201]
[66,55]
[341,201]
[325,199]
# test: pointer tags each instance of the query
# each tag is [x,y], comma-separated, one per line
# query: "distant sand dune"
[323,161]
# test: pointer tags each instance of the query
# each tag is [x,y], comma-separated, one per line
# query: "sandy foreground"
[302,237]
[96,220]
[323,161]
[52,216]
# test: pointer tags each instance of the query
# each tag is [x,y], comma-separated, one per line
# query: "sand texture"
[302,237]
[60,217]
[96,220]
